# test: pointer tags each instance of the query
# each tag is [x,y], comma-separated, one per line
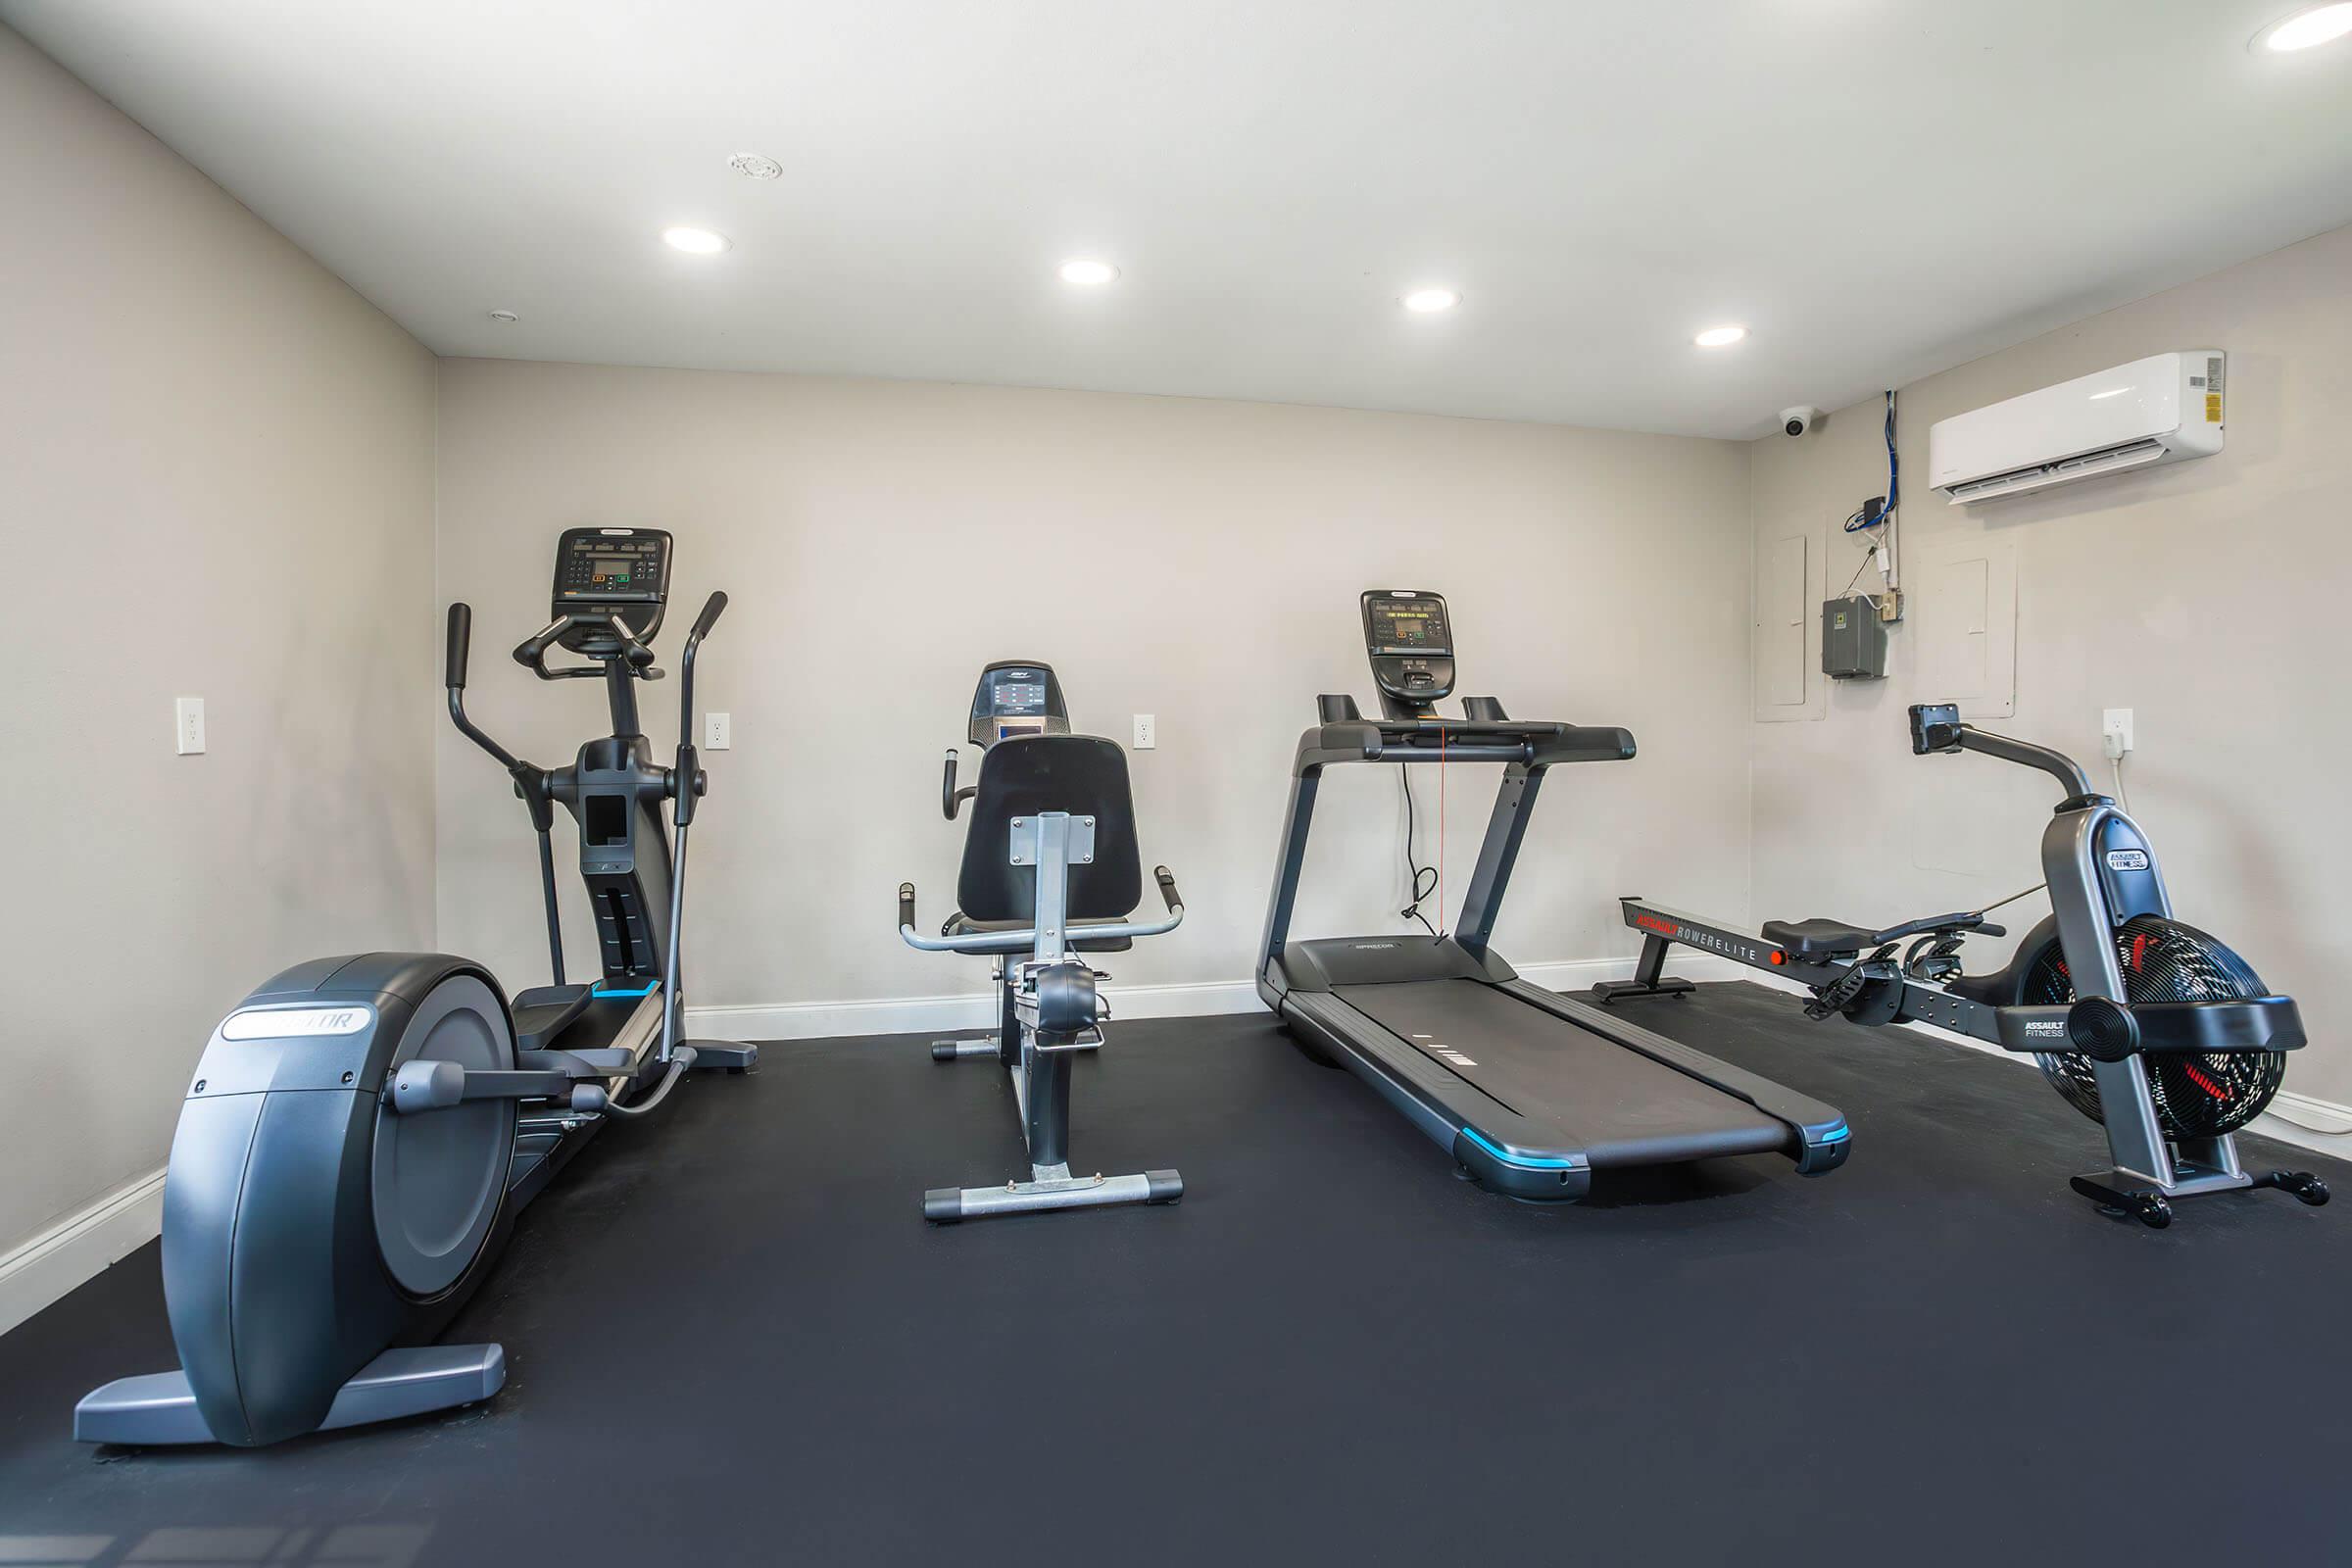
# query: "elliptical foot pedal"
[2143,1204]
[712,1055]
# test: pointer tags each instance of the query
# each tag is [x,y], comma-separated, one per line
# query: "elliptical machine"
[1050,867]
[361,1130]
[2149,1027]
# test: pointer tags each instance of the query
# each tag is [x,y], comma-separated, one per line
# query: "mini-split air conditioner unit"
[2163,408]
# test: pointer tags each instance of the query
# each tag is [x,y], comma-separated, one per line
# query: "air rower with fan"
[2150,1027]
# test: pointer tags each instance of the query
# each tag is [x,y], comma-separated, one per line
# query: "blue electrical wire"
[1858,522]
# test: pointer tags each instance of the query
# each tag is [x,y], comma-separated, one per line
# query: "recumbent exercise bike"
[1050,871]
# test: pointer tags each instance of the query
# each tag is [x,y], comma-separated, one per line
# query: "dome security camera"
[1800,420]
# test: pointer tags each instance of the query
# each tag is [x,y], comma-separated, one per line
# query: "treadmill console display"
[612,571]
[1017,699]
[1410,643]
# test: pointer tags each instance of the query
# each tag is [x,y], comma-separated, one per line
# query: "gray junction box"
[1853,639]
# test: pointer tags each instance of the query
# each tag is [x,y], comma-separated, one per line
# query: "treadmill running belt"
[1620,1106]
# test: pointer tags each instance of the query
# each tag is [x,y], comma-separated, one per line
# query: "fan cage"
[2203,1095]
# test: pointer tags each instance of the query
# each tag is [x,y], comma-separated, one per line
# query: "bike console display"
[604,573]
[1411,647]
[1016,699]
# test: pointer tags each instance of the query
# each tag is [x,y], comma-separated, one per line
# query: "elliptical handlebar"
[711,609]
[461,640]
[531,653]
[461,637]
[686,788]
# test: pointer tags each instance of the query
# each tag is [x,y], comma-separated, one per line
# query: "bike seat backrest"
[1021,776]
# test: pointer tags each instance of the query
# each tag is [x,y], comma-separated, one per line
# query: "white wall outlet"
[2115,732]
[718,732]
[1146,731]
[187,724]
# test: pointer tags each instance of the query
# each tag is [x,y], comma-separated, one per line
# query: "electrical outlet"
[718,732]
[187,723]
[2115,731]
[1147,732]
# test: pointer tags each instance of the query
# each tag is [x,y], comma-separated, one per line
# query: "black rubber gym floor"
[733,1341]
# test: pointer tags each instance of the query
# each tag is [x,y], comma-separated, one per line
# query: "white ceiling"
[1877,188]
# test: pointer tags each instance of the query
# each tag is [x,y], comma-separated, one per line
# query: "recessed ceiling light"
[2307,30]
[695,241]
[753,165]
[504,318]
[1428,300]
[1720,337]
[1088,272]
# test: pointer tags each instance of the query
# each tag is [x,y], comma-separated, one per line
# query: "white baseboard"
[79,1247]
[2337,1120]
[976,1010]
[960,1013]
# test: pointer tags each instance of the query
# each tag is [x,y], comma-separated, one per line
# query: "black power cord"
[1414,870]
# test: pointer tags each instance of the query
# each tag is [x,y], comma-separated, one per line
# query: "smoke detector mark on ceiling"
[752,165]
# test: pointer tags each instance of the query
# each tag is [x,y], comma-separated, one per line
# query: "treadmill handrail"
[1527,749]
[1430,739]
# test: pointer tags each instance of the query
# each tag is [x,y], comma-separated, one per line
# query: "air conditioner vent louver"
[2155,411]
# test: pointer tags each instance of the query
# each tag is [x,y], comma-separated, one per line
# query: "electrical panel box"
[1853,639]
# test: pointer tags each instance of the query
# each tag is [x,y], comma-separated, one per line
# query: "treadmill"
[1529,1091]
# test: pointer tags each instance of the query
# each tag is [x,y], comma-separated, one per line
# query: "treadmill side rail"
[1823,1135]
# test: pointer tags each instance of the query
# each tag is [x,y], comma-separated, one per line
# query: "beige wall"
[1196,561]
[215,475]
[2210,598]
